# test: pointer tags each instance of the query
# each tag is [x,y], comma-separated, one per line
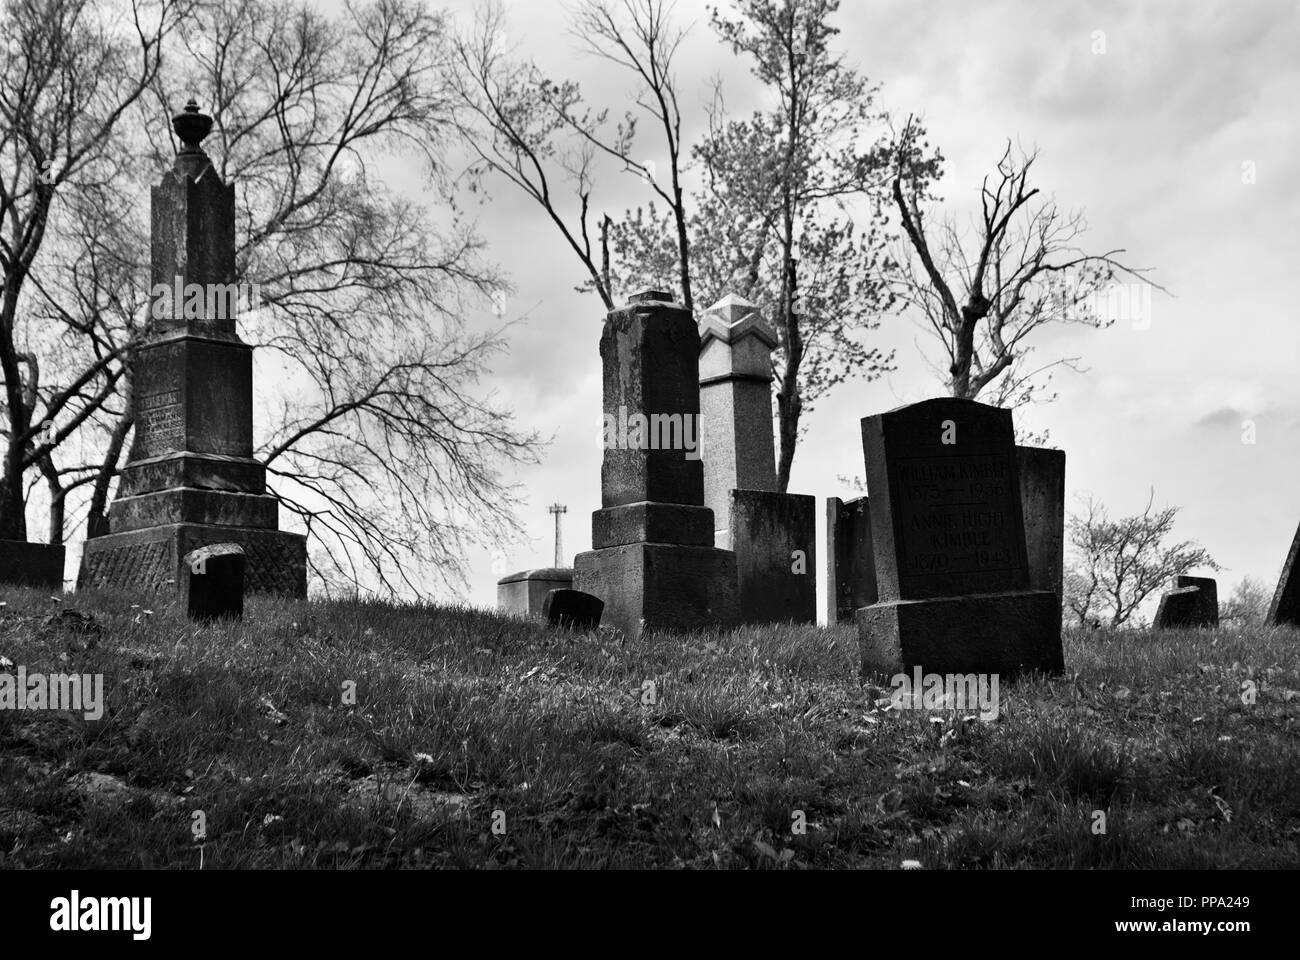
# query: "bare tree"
[984,295]
[769,223]
[376,433]
[375,430]
[72,71]
[1118,564]
[536,132]
[1247,606]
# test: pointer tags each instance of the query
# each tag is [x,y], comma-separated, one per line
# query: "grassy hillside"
[464,719]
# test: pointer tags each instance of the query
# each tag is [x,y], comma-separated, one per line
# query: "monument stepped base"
[1002,633]
[152,558]
[660,586]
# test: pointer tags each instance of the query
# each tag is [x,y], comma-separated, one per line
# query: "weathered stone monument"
[653,561]
[28,564]
[523,594]
[1284,610]
[772,534]
[191,479]
[1042,497]
[948,534]
[1194,602]
[850,561]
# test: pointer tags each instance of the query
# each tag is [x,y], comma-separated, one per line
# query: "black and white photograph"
[618,437]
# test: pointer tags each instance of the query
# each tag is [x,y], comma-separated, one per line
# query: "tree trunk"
[58,499]
[97,519]
[13,519]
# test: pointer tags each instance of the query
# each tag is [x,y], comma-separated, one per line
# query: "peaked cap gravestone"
[949,541]
[652,560]
[773,534]
[191,479]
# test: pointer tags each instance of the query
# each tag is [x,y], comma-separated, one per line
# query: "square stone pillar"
[772,534]
[653,561]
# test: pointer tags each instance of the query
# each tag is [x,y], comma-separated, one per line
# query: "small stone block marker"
[1194,602]
[949,541]
[24,563]
[653,561]
[214,581]
[572,609]
[1284,610]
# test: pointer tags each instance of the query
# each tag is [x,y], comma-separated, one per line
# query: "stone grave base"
[223,508]
[774,584]
[660,586]
[31,564]
[523,594]
[153,558]
[647,522]
[1002,633]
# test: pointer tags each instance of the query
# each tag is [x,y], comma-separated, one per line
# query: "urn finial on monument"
[193,128]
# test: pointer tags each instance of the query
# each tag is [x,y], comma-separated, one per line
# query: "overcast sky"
[1149,137]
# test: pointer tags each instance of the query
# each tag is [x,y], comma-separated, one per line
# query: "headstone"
[652,560]
[27,564]
[949,541]
[851,564]
[523,594]
[1194,602]
[1042,497]
[572,609]
[774,537]
[191,479]
[773,534]
[1177,609]
[214,582]
[1284,610]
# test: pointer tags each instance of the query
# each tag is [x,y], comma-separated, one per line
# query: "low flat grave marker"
[214,582]
[572,609]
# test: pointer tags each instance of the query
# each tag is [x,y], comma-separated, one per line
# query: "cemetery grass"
[465,720]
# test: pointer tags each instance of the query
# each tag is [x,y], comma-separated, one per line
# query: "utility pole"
[557,509]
